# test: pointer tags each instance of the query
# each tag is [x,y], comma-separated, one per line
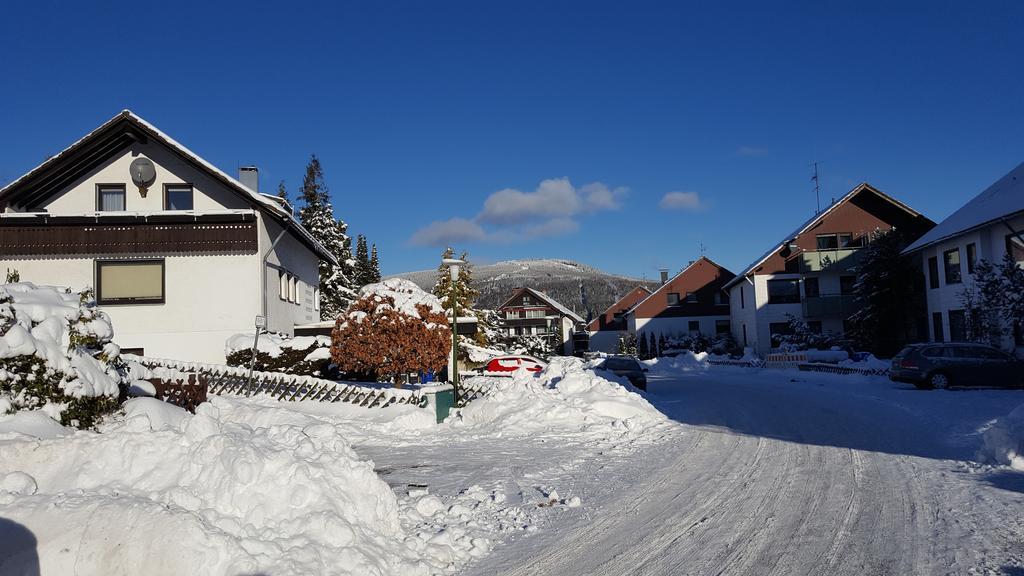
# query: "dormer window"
[110,197]
[178,197]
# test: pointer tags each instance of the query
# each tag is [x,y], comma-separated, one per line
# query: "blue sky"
[544,129]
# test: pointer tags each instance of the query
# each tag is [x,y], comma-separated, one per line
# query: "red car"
[506,365]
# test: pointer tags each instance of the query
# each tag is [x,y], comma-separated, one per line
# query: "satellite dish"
[143,174]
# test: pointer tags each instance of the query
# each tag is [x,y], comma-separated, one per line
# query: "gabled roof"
[617,303]
[673,279]
[110,138]
[1004,199]
[814,220]
[547,299]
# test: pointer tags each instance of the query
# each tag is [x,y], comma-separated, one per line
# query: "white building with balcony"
[810,274]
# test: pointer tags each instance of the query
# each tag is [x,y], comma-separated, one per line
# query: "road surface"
[774,476]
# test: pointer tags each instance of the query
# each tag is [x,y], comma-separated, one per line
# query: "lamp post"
[454,265]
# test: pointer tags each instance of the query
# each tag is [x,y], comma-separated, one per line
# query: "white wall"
[743,312]
[292,256]
[206,301]
[675,326]
[208,194]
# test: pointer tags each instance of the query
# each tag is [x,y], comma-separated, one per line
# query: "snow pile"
[1004,441]
[565,395]
[56,353]
[867,362]
[229,496]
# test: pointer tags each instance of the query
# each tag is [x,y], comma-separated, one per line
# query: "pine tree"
[374,265]
[996,303]
[363,272]
[661,343]
[464,291]
[641,348]
[652,347]
[888,294]
[623,347]
[282,192]
[317,216]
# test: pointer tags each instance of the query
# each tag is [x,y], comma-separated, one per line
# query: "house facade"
[605,330]
[180,255]
[530,312]
[689,304]
[810,274]
[988,227]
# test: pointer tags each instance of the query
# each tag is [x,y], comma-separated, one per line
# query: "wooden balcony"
[46,235]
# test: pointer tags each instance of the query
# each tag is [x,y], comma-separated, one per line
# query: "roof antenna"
[703,248]
[817,188]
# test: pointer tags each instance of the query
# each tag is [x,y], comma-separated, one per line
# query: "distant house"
[988,227]
[605,330]
[691,303]
[530,312]
[614,317]
[181,255]
[810,273]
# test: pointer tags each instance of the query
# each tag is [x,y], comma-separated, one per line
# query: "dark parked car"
[940,365]
[625,366]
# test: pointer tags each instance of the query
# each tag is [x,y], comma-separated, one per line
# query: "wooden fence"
[234,381]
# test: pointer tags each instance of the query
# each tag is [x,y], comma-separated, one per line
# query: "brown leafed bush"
[375,339]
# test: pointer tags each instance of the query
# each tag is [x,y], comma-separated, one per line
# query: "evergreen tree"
[996,303]
[661,343]
[363,273]
[464,292]
[888,294]
[374,265]
[317,216]
[622,345]
[641,348]
[282,192]
[652,347]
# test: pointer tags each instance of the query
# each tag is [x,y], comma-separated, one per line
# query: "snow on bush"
[165,492]
[565,395]
[1004,441]
[308,355]
[56,355]
[392,329]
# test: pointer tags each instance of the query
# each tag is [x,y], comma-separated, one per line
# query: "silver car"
[941,365]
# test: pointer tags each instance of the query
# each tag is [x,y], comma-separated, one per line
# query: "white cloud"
[681,201]
[512,215]
[554,198]
[443,233]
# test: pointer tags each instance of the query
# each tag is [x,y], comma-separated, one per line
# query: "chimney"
[664,274]
[249,176]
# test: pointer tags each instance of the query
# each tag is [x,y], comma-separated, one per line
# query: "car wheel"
[938,381]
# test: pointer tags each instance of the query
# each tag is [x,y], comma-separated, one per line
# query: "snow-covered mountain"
[562,279]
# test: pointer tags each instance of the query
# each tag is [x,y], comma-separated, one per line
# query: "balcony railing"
[827,260]
[829,306]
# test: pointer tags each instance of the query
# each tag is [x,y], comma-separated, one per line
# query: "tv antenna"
[817,187]
[703,249]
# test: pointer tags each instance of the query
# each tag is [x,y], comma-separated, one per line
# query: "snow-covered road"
[782,473]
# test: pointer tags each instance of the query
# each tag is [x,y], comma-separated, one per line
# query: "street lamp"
[454,265]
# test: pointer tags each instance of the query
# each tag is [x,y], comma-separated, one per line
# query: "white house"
[810,273]
[181,255]
[988,227]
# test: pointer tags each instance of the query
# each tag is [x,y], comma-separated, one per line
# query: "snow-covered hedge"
[307,355]
[56,355]
[1004,441]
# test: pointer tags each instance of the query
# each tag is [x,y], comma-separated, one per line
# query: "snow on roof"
[1003,199]
[813,220]
[556,304]
[272,206]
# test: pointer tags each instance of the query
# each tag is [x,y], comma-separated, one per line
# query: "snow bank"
[566,395]
[1004,441]
[165,492]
